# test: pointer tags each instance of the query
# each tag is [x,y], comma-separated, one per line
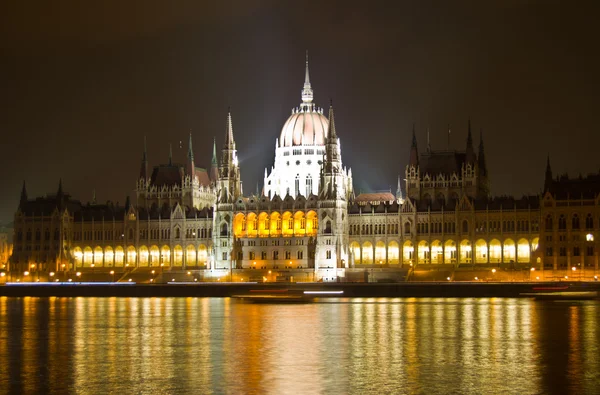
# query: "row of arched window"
[575,222]
[29,235]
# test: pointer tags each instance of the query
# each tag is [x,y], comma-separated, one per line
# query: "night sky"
[83,83]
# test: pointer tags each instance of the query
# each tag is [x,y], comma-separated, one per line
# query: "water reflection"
[371,345]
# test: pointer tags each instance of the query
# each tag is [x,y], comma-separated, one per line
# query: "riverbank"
[413,289]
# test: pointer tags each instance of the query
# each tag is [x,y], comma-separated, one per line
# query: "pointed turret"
[94,196]
[307,92]
[414,152]
[548,177]
[470,152]
[332,135]
[330,186]
[59,195]
[214,164]
[23,199]
[144,165]
[428,142]
[190,167]
[229,141]
[59,192]
[229,175]
[399,189]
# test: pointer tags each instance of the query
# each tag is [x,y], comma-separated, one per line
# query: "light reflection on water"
[336,346]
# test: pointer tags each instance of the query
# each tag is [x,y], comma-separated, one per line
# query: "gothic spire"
[23,194]
[548,177]
[332,133]
[191,167]
[214,155]
[399,189]
[190,150]
[229,142]
[307,92]
[144,165]
[428,141]
[414,152]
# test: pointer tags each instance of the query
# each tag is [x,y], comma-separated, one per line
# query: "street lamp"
[112,273]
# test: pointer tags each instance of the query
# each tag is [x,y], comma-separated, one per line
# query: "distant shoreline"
[390,290]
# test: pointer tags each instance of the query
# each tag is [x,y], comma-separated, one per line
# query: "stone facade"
[186,218]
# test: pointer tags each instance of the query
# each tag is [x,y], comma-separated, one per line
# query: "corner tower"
[229,188]
[335,189]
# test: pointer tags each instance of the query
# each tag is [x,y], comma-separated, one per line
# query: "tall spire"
[94,196]
[59,195]
[428,141]
[23,195]
[191,167]
[145,156]
[332,133]
[190,150]
[214,166]
[229,142]
[548,178]
[307,92]
[170,154]
[399,189]
[414,152]
[214,155]
[144,165]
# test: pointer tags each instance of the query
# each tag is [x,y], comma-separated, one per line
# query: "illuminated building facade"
[307,223]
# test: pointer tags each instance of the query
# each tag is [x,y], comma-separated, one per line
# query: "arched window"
[589,222]
[328,226]
[297,184]
[177,233]
[308,185]
[549,222]
[224,229]
[130,234]
[575,222]
[465,226]
[562,222]
[407,228]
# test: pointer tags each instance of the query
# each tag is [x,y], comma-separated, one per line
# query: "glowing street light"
[574,268]
[51,274]
[589,237]
[26,273]
[493,270]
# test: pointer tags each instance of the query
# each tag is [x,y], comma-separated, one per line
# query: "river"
[334,346]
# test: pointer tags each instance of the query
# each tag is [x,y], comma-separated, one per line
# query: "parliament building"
[307,223]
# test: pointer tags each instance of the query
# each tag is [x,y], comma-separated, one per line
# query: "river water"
[334,346]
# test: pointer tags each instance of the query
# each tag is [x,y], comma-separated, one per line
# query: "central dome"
[307,126]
